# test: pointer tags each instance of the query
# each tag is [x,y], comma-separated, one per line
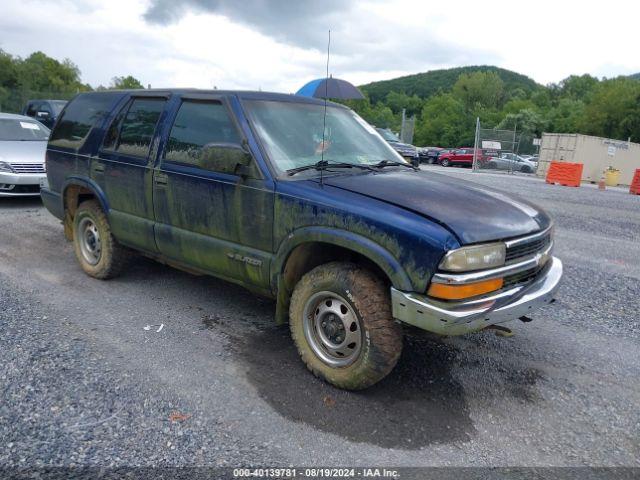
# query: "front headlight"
[6,167]
[475,257]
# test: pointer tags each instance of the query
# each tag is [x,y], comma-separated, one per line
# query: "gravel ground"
[90,379]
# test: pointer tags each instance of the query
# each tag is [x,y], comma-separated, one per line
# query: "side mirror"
[415,162]
[228,158]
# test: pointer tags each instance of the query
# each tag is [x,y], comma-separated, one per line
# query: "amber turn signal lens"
[458,292]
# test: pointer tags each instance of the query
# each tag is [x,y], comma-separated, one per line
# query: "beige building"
[595,153]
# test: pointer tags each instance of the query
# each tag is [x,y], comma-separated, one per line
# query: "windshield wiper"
[393,163]
[325,164]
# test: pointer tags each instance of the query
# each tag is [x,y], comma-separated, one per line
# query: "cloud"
[280,45]
[303,23]
[364,38]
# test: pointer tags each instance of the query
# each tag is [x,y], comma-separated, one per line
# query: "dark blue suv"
[45,111]
[303,204]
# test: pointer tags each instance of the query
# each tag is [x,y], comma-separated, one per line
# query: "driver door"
[213,211]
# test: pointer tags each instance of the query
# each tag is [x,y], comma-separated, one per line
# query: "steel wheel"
[332,329]
[89,241]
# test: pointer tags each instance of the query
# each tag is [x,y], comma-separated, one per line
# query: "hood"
[30,151]
[472,212]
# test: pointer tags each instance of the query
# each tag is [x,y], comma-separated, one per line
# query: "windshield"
[292,135]
[388,135]
[57,106]
[22,130]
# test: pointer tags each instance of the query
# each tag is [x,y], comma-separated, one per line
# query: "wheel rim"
[332,329]
[88,238]
[445,163]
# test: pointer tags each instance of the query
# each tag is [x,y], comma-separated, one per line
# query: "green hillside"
[429,83]
[635,76]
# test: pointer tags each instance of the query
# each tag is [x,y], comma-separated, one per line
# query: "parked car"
[462,156]
[45,111]
[23,142]
[404,149]
[301,202]
[511,161]
[429,154]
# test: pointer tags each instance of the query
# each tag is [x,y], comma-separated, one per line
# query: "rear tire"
[99,254]
[526,169]
[341,324]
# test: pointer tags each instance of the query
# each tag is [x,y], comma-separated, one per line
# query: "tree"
[126,83]
[566,117]
[397,101]
[41,73]
[444,122]
[527,122]
[578,87]
[479,89]
[614,110]
[9,78]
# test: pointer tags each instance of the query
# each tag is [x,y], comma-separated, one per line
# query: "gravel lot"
[90,379]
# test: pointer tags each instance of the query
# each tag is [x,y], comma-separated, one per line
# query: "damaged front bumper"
[457,318]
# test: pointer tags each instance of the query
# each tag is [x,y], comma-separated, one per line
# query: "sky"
[279,45]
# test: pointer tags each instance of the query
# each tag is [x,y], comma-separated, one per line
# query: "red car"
[460,156]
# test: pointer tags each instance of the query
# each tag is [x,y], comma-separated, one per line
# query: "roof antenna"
[324,118]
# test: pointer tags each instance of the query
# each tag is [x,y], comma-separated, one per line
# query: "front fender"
[342,238]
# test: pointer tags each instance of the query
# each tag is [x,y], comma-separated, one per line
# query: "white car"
[513,162]
[23,143]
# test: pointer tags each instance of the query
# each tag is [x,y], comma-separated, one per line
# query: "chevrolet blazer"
[300,201]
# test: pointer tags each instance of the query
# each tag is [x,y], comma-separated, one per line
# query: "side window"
[137,127]
[199,123]
[79,117]
[459,152]
[44,107]
[32,109]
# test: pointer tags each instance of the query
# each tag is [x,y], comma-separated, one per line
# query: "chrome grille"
[521,277]
[529,248]
[28,167]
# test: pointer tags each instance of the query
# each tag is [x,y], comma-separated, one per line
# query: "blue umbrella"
[330,88]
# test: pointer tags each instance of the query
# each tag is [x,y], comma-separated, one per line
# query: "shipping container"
[595,153]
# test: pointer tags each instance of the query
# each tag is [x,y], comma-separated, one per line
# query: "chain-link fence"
[14,100]
[504,150]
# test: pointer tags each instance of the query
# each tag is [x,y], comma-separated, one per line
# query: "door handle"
[161,179]
[98,168]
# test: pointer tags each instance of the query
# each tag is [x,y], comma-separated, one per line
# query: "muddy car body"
[316,211]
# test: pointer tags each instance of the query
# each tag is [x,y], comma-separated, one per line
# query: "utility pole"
[475,146]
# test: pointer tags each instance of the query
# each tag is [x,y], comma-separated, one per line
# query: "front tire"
[99,254]
[341,324]
[445,162]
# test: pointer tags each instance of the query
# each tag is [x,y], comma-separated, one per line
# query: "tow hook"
[501,331]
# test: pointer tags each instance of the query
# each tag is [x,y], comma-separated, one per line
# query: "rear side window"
[197,124]
[78,118]
[132,130]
